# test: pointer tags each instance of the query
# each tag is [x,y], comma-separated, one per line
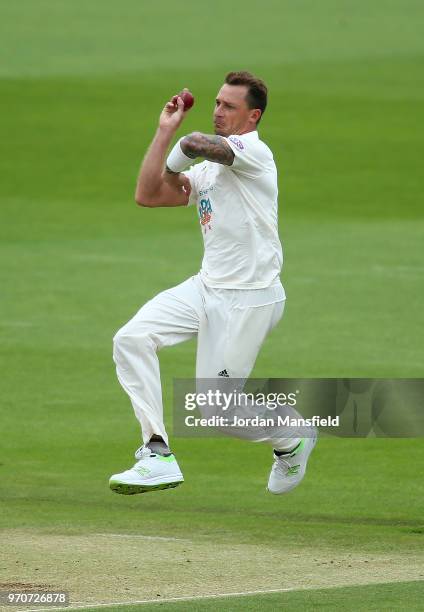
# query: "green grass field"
[81,87]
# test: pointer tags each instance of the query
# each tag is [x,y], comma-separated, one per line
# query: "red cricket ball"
[187,98]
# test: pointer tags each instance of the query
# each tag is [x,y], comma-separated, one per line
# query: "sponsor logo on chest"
[205,208]
[205,214]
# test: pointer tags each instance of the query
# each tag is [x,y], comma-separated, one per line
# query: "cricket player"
[235,300]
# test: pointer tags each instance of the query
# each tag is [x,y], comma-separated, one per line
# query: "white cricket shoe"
[288,470]
[151,472]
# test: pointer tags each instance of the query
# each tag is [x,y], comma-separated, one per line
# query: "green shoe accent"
[128,489]
[293,452]
[142,471]
[167,458]
[299,447]
[294,469]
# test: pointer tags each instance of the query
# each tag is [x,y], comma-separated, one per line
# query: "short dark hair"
[257,92]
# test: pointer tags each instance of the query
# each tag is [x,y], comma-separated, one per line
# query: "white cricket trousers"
[230,326]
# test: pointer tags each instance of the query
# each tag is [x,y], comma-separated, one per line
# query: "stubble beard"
[220,132]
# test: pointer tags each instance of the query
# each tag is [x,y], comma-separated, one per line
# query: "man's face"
[231,114]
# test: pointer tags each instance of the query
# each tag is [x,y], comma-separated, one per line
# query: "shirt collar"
[253,135]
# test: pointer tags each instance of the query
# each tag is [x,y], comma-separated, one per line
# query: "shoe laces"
[281,465]
[143,452]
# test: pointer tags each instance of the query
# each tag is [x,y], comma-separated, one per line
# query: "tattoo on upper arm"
[211,147]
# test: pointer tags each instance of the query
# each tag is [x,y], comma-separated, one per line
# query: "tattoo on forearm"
[211,147]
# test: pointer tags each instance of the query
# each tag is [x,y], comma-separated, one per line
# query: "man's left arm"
[209,146]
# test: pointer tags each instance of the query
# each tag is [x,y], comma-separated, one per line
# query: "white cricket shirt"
[238,214]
